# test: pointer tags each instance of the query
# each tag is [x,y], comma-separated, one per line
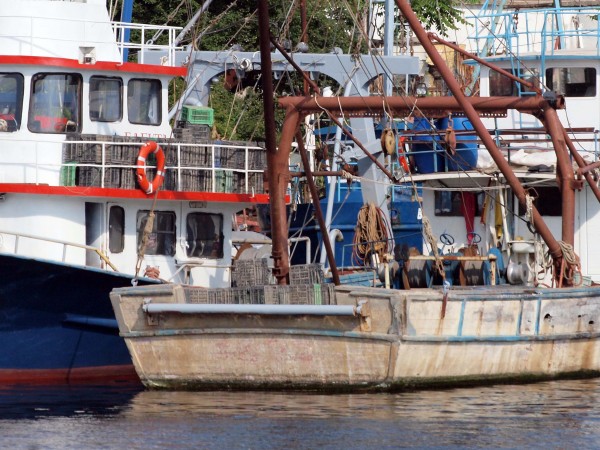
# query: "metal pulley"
[388,141]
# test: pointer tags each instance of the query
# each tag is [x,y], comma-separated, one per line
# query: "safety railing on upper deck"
[207,167]
[544,32]
[427,149]
[146,38]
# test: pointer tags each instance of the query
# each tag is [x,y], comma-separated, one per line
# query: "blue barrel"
[466,153]
[426,160]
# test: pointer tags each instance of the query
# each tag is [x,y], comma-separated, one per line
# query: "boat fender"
[145,185]
[388,141]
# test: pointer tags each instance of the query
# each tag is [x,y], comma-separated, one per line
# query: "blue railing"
[545,32]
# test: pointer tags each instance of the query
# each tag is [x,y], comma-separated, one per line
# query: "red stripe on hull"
[99,66]
[74,191]
[106,375]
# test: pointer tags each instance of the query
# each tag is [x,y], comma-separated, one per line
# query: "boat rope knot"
[144,241]
[570,267]
[347,175]
[529,208]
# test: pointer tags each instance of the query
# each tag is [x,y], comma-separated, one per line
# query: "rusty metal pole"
[430,106]
[318,212]
[480,129]
[277,160]
[565,171]
[328,112]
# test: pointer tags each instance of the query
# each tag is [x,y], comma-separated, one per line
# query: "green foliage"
[439,14]
[328,25]
[238,116]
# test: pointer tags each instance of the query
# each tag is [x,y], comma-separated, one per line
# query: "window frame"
[112,229]
[451,207]
[161,247]
[95,78]
[499,84]
[59,119]
[130,93]
[14,119]
[573,89]
[203,246]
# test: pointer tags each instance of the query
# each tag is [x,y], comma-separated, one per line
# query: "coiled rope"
[371,236]
[571,260]
[569,267]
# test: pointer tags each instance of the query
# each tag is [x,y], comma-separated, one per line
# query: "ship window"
[55,104]
[501,85]
[116,229]
[11,101]
[161,239]
[204,236]
[143,102]
[449,203]
[547,201]
[572,81]
[106,99]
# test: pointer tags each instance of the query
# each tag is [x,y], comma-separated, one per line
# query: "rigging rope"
[432,241]
[148,227]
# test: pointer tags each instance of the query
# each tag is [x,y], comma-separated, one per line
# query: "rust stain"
[480,321]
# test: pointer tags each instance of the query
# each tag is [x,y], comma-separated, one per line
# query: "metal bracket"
[152,319]
[363,309]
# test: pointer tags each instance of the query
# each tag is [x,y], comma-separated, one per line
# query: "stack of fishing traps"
[193,164]
[252,284]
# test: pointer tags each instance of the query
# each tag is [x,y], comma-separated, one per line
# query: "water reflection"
[563,414]
[63,401]
[535,400]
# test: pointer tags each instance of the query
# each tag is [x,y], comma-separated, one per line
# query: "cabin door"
[115,237]
[94,218]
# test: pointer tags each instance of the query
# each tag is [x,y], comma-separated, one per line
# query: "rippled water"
[553,415]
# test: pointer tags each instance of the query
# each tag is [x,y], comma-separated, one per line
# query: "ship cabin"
[78,166]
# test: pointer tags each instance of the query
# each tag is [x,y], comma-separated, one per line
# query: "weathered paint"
[104,375]
[486,335]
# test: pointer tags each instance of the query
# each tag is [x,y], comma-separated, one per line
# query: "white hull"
[398,340]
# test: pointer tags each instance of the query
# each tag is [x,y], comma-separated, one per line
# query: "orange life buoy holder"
[145,185]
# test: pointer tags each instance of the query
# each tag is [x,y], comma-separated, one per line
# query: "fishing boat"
[97,189]
[491,296]
[333,158]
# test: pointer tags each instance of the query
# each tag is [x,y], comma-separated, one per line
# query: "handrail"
[254,309]
[213,168]
[65,244]
[144,45]
[507,35]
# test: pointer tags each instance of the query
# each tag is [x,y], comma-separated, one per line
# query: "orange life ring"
[145,185]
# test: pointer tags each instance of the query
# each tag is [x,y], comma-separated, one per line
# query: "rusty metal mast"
[542,107]
[277,161]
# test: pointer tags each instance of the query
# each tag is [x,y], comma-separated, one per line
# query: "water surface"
[552,415]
